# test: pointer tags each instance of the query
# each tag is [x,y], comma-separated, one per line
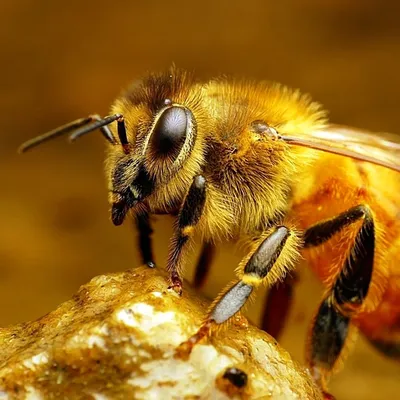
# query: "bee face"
[157,152]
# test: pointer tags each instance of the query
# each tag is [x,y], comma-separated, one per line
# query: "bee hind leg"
[332,324]
[268,262]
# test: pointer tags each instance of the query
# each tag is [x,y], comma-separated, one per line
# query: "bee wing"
[378,148]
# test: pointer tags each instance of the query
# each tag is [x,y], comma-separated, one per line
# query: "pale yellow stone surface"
[116,339]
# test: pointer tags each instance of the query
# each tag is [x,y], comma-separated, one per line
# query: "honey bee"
[261,163]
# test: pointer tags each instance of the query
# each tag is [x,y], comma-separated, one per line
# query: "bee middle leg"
[203,264]
[277,306]
[274,254]
[188,218]
[331,326]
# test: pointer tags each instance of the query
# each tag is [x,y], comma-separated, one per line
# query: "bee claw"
[184,350]
[177,289]
[328,396]
[176,285]
[151,264]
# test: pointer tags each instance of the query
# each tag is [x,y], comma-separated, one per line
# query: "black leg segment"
[145,244]
[331,325]
[266,255]
[203,264]
[189,216]
[323,231]
[193,205]
[353,283]
[328,335]
[277,306]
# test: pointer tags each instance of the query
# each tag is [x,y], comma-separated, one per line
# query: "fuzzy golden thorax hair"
[178,128]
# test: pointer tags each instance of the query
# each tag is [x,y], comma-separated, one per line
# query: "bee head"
[159,149]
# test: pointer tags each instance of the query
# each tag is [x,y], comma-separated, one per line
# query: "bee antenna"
[78,128]
[96,124]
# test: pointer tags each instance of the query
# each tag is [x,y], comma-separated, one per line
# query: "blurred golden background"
[64,60]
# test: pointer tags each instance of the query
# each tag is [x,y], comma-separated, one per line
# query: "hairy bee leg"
[189,216]
[278,304]
[256,270]
[145,243]
[323,231]
[332,322]
[203,264]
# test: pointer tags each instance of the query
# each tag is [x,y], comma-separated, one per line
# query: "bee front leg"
[273,256]
[145,244]
[331,327]
[188,218]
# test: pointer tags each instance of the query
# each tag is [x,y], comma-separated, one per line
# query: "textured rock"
[116,339]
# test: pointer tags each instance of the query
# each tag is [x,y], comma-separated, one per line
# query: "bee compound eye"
[170,131]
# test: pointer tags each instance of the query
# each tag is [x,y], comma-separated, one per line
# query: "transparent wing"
[378,148]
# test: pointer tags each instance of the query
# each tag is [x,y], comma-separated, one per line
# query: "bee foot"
[328,396]
[184,350]
[150,264]
[176,284]
[320,379]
